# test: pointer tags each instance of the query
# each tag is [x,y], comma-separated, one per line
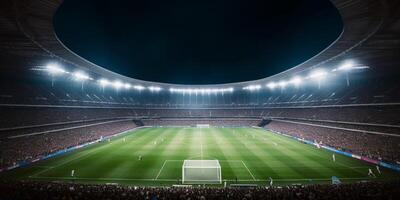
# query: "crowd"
[379,147]
[362,114]
[28,116]
[44,191]
[32,147]
[375,128]
[14,117]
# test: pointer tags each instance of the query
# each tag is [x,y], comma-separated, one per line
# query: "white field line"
[144,179]
[201,145]
[159,172]
[201,151]
[248,170]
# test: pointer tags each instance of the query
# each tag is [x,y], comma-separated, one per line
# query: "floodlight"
[154,88]
[104,82]
[296,81]
[348,65]
[55,69]
[80,76]
[271,85]
[138,87]
[201,90]
[252,87]
[282,84]
[127,86]
[318,74]
[117,84]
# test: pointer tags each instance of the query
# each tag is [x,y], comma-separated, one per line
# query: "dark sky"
[197,41]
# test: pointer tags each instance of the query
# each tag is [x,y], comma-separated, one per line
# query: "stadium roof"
[371,36]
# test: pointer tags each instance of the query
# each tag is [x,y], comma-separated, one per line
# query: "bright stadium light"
[127,86]
[138,87]
[80,76]
[55,69]
[282,84]
[347,66]
[201,90]
[271,85]
[252,87]
[117,84]
[319,75]
[103,83]
[296,81]
[154,88]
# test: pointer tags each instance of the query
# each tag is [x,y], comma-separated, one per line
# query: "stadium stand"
[38,190]
[29,147]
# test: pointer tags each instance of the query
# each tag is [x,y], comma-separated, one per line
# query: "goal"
[201,172]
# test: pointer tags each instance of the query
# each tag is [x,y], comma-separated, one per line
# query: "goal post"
[201,172]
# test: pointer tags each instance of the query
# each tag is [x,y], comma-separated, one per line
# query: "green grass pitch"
[246,155]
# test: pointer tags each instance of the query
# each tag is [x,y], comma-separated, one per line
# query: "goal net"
[201,172]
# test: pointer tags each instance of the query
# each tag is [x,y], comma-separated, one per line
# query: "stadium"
[326,128]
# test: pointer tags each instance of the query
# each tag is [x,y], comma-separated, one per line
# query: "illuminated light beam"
[117,84]
[296,81]
[252,87]
[271,85]
[282,84]
[201,90]
[80,76]
[104,82]
[138,87]
[318,74]
[350,65]
[127,86]
[55,69]
[154,88]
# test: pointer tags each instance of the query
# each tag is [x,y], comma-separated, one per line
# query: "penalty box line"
[162,167]
[248,171]
[159,172]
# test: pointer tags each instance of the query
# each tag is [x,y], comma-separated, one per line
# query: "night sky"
[197,41]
